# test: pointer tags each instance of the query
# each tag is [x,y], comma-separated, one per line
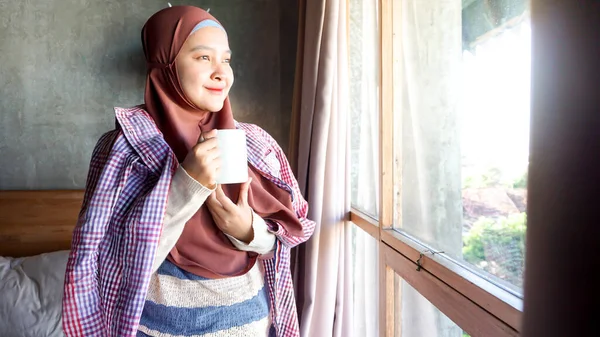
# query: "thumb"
[243,199]
[200,137]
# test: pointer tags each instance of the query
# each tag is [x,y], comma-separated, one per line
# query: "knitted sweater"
[183,304]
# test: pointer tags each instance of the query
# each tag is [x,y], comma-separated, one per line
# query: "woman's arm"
[263,241]
[186,196]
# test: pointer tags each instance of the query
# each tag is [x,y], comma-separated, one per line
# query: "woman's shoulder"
[133,117]
[133,128]
[137,124]
[256,133]
[122,120]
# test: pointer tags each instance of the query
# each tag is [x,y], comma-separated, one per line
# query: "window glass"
[365,283]
[364,105]
[415,316]
[461,119]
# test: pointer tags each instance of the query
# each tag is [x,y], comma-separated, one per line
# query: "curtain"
[319,152]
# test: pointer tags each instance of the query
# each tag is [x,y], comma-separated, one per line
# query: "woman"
[160,249]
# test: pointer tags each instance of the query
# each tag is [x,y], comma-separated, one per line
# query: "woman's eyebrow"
[203,47]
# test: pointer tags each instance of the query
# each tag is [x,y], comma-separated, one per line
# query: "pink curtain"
[319,152]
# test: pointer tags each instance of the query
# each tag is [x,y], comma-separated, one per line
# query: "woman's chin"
[215,108]
[211,107]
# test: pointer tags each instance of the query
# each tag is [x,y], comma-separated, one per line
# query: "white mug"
[234,156]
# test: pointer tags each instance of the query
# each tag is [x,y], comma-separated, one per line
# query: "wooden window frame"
[465,313]
[477,305]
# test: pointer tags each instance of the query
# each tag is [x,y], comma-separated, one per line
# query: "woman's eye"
[227,60]
[203,57]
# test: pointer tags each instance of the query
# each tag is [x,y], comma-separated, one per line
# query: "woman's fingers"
[227,204]
[207,145]
[212,202]
[205,135]
[243,197]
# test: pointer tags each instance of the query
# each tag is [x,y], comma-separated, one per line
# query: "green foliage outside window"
[498,246]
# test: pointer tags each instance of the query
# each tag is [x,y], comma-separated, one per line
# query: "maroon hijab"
[202,249]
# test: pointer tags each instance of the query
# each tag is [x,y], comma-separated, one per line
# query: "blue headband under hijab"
[207,23]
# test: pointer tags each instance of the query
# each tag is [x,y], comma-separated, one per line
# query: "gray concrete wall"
[66,63]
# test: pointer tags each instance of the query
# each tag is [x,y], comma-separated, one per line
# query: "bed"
[35,235]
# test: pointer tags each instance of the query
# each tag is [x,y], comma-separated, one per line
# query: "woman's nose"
[218,73]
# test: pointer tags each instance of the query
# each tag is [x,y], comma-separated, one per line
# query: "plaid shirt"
[120,222]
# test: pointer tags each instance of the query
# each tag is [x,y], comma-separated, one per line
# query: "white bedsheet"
[31,290]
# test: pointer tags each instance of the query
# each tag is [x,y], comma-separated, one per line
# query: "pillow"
[31,291]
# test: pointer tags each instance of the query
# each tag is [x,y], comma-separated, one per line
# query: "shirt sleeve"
[186,196]
[263,241]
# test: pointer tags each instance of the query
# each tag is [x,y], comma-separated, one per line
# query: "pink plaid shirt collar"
[117,232]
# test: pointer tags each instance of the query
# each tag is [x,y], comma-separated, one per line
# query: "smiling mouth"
[215,91]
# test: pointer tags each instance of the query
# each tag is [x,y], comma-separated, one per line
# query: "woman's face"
[204,71]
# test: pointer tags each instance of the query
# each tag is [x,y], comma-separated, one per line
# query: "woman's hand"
[233,219]
[203,162]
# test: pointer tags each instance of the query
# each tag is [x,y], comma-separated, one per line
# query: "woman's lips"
[217,91]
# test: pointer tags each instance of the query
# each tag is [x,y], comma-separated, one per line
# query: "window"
[439,141]
[414,315]
[424,306]
[461,117]
[364,105]
[365,266]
